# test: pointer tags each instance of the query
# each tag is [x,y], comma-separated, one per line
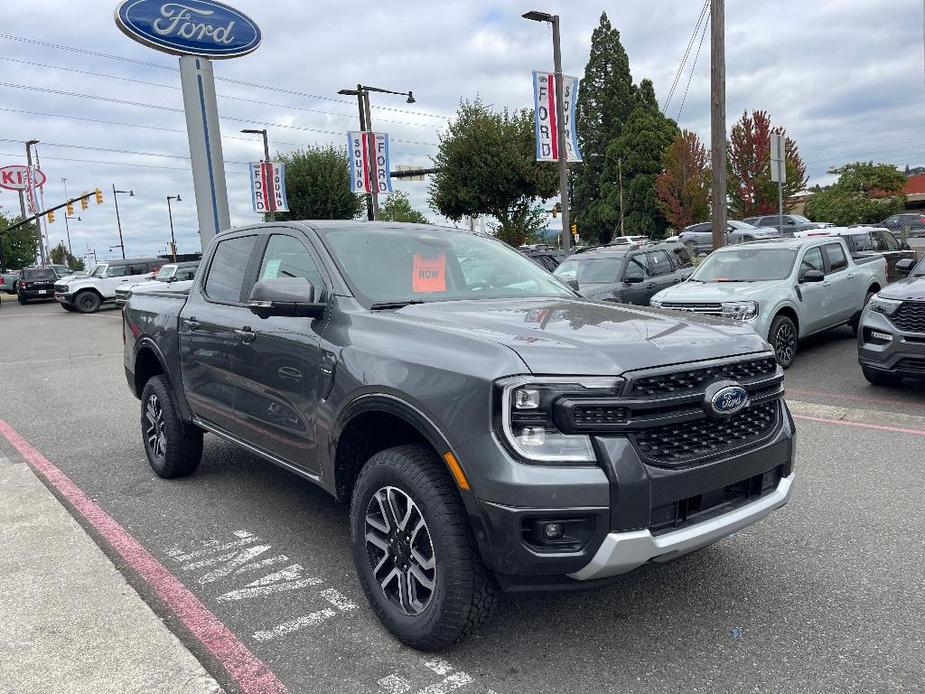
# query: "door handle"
[246,334]
[192,323]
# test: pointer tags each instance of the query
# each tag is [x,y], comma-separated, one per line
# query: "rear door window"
[836,255]
[226,272]
[682,257]
[659,263]
[637,267]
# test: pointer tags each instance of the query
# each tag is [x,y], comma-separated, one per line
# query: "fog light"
[525,399]
[877,335]
[532,436]
[553,531]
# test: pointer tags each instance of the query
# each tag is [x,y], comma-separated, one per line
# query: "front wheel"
[784,339]
[173,447]
[87,302]
[414,551]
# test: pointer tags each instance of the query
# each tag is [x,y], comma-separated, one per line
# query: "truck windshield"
[590,270]
[746,265]
[99,271]
[391,266]
[166,273]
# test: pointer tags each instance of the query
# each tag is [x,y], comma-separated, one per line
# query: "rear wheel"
[173,447]
[414,551]
[881,378]
[87,301]
[783,338]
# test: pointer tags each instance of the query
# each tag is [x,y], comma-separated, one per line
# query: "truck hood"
[575,337]
[713,292]
[911,288]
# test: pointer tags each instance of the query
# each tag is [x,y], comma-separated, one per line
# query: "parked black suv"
[627,274]
[489,431]
[36,283]
[891,331]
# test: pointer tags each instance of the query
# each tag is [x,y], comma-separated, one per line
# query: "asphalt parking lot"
[825,595]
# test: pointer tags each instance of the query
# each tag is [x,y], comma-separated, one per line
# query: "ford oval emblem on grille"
[725,398]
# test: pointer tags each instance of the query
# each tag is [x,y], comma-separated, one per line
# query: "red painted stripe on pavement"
[859,425]
[249,672]
[854,398]
[553,117]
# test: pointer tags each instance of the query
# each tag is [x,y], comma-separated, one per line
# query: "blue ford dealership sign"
[193,27]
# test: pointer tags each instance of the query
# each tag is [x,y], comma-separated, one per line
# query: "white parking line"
[303,622]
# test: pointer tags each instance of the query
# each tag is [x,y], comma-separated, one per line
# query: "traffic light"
[51,217]
[84,203]
[574,230]
[556,209]
[99,196]
[70,209]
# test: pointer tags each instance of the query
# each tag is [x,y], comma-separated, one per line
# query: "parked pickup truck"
[787,289]
[87,294]
[488,434]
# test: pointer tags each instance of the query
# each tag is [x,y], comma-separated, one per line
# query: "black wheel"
[87,301]
[174,448]
[22,300]
[414,551]
[68,307]
[856,321]
[881,378]
[784,339]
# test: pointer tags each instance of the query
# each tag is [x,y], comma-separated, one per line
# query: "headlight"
[879,304]
[655,303]
[740,310]
[525,416]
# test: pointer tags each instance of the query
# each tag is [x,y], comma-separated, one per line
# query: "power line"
[690,77]
[252,85]
[686,55]
[96,161]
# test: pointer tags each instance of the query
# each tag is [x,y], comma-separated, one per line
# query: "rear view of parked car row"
[108,282]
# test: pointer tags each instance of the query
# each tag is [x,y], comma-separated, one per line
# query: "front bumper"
[620,553]
[903,355]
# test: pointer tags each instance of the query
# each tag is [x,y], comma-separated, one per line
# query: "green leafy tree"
[683,187]
[864,193]
[748,155]
[606,98]
[61,256]
[640,148]
[19,245]
[397,208]
[318,184]
[487,165]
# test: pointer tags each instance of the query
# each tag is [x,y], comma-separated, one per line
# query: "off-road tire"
[465,593]
[881,378]
[181,450]
[87,301]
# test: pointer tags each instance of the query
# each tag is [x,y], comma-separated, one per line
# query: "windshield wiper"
[387,305]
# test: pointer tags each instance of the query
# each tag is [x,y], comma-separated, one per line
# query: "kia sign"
[194,27]
[16,177]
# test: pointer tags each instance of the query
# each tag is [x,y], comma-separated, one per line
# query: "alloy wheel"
[785,343]
[154,429]
[400,550]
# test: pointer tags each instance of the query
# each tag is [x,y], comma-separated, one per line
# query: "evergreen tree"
[641,148]
[606,98]
[18,246]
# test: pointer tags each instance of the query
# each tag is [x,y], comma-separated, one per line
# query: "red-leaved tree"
[748,182]
[683,186]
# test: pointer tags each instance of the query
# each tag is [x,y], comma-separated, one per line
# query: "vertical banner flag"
[30,191]
[369,162]
[544,116]
[268,186]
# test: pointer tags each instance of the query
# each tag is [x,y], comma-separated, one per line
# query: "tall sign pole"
[183,30]
[33,201]
[560,126]
[779,174]
[718,118]
[371,140]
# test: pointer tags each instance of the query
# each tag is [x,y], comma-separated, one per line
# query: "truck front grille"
[681,443]
[61,288]
[711,309]
[697,379]
[910,317]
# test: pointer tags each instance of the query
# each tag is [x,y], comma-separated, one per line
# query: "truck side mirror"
[812,276]
[573,283]
[284,296]
[633,279]
[904,266]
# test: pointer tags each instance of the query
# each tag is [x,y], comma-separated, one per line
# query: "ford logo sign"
[725,398]
[193,27]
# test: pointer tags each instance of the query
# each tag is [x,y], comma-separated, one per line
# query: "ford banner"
[544,117]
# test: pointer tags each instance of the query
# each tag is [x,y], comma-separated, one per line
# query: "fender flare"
[146,342]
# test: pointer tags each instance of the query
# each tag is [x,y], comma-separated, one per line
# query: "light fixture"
[410,98]
[537,16]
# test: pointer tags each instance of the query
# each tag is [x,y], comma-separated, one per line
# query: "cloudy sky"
[845,77]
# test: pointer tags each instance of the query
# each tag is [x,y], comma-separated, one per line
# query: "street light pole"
[366,126]
[115,197]
[562,145]
[173,241]
[270,216]
[67,228]
[38,226]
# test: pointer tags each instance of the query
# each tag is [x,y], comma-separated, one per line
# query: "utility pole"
[38,226]
[67,228]
[270,216]
[371,143]
[620,171]
[718,118]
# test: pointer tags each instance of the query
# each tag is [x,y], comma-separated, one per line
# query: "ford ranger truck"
[490,429]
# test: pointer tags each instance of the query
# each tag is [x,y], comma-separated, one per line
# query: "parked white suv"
[786,289]
[87,294]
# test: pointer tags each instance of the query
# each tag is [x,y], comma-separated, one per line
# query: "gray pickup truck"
[488,434]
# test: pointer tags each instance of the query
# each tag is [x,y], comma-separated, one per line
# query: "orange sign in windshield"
[428,274]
